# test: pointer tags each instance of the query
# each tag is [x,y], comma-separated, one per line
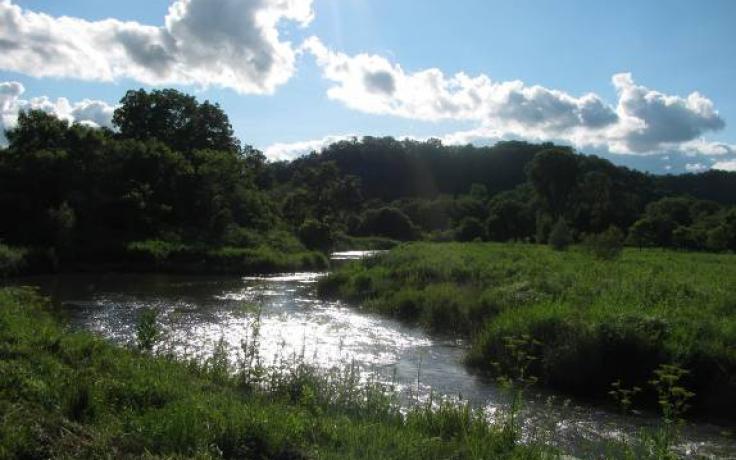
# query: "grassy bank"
[71,395]
[163,257]
[588,322]
[362,243]
[157,255]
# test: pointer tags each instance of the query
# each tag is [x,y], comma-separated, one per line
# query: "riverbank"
[586,323]
[157,256]
[72,395]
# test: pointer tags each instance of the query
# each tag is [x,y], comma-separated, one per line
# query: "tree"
[388,222]
[508,219]
[470,228]
[315,235]
[607,245]
[553,174]
[718,239]
[176,119]
[38,130]
[643,233]
[560,237]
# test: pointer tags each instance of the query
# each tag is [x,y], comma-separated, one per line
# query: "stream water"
[197,312]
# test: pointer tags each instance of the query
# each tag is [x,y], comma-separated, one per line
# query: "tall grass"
[158,255]
[596,321]
[67,394]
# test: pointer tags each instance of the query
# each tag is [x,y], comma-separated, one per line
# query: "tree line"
[172,169]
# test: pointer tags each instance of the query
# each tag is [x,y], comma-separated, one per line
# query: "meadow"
[573,322]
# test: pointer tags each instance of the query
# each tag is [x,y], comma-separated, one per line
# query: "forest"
[172,188]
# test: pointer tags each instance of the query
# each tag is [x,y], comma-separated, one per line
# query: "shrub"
[607,245]
[470,229]
[560,236]
[315,235]
[389,222]
[146,330]
[12,260]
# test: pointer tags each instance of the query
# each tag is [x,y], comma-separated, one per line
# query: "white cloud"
[372,84]
[643,120]
[728,165]
[290,151]
[228,43]
[650,120]
[94,113]
[703,147]
[696,167]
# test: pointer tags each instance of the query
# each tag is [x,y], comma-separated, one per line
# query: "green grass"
[362,243]
[596,321]
[70,395]
[172,257]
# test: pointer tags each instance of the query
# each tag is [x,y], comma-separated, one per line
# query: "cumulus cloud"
[651,120]
[93,113]
[696,167]
[284,151]
[228,43]
[372,84]
[642,121]
[704,147]
[727,165]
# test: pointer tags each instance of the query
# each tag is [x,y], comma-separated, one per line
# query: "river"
[196,312]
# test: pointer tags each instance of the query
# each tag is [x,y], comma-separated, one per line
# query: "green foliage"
[72,395]
[12,260]
[470,228]
[560,236]
[174,171]
[673,400]
[175,119]
[509,219]
[607,245]
[315,235]
[147,331]
[366,243]
[278,254]
[553,174]
[388,222]
[598,321]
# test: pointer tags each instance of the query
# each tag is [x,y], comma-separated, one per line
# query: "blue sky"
[555,51]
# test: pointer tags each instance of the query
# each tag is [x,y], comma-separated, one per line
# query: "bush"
[12,260]
[388,222]
[607,245]
[560,237]
[146,329]
[470,229]
[315,235]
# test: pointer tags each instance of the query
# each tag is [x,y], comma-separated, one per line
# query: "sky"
[647,84]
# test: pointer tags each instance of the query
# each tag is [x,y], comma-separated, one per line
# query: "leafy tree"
[315,235]
[607,245]
[508,219]
[553,174]
[718,239]
[560,236]
[478,192]
[388,222]
[470,228]
[38,130]
[176,119]
[643,233]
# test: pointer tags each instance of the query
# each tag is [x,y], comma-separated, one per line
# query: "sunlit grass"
[72,395]
[597,321]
